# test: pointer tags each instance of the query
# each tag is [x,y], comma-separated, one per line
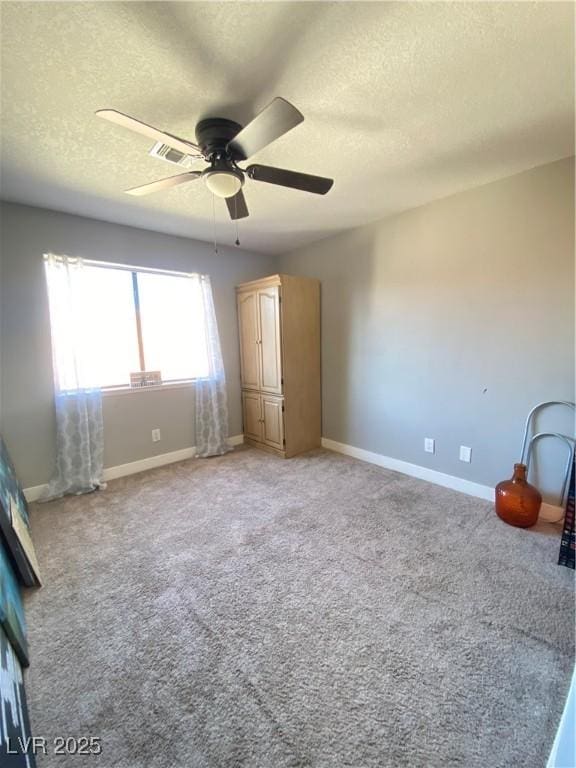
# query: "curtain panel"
[78,404]
[210,392]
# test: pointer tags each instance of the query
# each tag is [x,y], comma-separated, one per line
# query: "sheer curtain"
[211,396]
[79,426]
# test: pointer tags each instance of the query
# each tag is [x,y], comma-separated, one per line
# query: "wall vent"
[171,155]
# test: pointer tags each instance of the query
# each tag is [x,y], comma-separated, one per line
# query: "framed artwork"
[15,522]
[14,721]
[12,619]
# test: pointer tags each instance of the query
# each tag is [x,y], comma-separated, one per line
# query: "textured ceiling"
[404,103]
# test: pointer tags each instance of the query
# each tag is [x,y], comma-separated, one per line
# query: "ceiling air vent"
[171,155]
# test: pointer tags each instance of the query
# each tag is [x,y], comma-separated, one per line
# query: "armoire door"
[269,340]
[252,414]
[273,421]
[249,339]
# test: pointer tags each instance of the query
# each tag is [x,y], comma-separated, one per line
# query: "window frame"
[126,389]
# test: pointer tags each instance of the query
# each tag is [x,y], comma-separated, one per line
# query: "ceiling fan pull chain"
[236,220]
[214,222]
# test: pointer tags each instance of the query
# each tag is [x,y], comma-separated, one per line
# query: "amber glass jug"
[517,502]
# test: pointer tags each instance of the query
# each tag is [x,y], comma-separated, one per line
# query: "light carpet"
[318,612]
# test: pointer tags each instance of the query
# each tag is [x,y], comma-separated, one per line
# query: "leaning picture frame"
[15,522]
[12,618]
[15,733]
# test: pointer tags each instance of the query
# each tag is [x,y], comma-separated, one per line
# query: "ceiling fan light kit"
[223,144]
[223,183]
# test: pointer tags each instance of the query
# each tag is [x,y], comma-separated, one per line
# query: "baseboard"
[548,512]
[34,492]
[134,467]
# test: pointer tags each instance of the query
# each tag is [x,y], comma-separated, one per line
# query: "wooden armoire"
[279,325]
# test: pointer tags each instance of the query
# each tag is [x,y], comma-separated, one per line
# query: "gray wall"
[450,321]
[27,414]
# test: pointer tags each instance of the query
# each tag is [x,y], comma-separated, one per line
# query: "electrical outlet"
[465,454]
[156,435]
[429,445]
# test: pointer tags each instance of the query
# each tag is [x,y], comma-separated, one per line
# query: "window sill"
[110,391]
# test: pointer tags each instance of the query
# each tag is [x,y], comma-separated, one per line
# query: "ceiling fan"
[223,144]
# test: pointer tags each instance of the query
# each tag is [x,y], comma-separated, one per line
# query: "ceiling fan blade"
[187,147]
[237,207]
[304,181]
[157,186]
[274,121]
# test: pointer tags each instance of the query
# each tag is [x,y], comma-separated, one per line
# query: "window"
[126,321]
[172,318]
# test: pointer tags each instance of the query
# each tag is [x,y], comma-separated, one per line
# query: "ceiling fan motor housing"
[223,177]
[213,135]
